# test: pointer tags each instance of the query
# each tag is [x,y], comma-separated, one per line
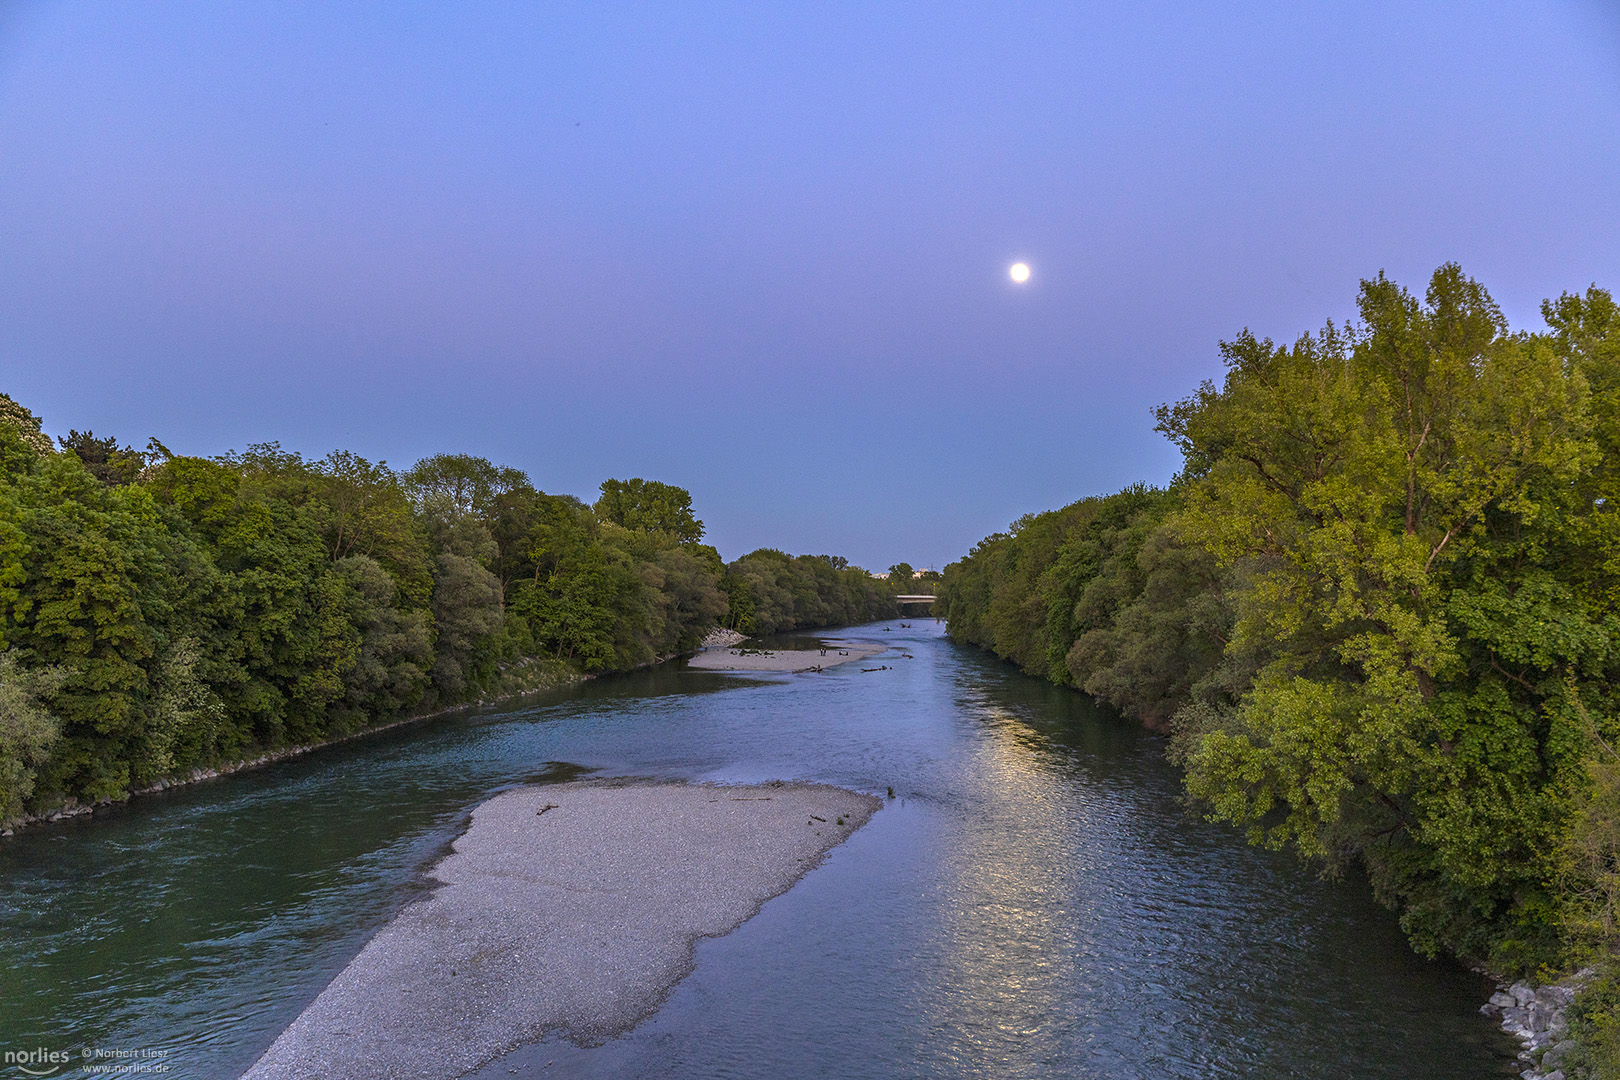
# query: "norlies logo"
[39,1061]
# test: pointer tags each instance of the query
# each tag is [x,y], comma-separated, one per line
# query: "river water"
[1034,901]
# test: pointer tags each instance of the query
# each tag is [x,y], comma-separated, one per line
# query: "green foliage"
[1377,608]
[27,729]
[649,506]
[185,716]
[769,591]
[687,598]
[451,486]
[23,426]
[1150,628]
[1099,595]
[466,609]
[106,460]
[162,613]
[1595,1028]
[390,670]
[1397,489]
[362,509]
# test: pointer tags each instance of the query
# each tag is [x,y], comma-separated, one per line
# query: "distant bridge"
[921,598]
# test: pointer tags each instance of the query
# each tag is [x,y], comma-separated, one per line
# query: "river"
[1035,901]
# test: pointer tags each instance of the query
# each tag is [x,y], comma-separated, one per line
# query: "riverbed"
[1034,901]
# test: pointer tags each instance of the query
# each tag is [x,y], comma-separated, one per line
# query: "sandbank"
[566,909]
[742,658]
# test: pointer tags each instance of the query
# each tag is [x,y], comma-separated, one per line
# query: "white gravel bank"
[566,908]
[743,658]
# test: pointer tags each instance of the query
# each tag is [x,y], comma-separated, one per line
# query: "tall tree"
[27,729]
[650,506]
[1363,481]
[106,460]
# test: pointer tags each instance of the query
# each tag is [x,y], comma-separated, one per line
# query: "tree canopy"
[164,612]
[161,613]
[1377,608]
[650,506]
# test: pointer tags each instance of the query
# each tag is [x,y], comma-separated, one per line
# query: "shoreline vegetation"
[1378,615]
[497,957]
[565,678]
[711,655]
[165,618]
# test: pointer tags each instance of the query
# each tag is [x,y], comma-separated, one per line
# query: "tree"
[1378,608]
[361,509]
[106,460]
[1586,335]
[688,597]
[1380,490]
[650,506]
[27,729]
[24,425]
[159,612]
[452,486]
[466,609]
[93,586]
[392,667]
[184,716]
[768,591]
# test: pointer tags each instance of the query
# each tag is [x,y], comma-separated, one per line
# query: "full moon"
[1019,272]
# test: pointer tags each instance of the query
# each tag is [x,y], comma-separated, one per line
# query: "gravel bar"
[566,909]
[743,658]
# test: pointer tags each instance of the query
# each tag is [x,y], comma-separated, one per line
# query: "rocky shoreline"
[720,638]
[1538,1018]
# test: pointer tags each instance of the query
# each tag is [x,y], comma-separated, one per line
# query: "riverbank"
[796,660]
[722,638]
[566,909]
[1025,900]
[720,651]
[513,682]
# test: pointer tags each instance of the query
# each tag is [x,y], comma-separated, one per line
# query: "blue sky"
[760,250]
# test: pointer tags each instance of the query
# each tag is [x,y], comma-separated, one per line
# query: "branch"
[1500,670]
[1261,469]
[1575,698]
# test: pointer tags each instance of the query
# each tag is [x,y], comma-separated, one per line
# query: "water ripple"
[1035,902]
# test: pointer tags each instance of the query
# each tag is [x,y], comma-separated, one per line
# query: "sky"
[761,250]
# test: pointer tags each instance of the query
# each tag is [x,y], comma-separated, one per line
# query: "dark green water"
[1035,902]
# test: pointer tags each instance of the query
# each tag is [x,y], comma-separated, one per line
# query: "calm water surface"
[1034,902]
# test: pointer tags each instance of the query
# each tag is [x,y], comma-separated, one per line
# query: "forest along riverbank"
[438,595]
[566,908]
[558,677]
[1382,651]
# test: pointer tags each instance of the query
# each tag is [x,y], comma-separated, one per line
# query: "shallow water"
[1034,902]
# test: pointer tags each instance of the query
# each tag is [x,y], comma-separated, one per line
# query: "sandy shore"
[566,909]
[742,658]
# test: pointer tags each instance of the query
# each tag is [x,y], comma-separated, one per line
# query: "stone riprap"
[567,909]
[1537,1017]
[720,638]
